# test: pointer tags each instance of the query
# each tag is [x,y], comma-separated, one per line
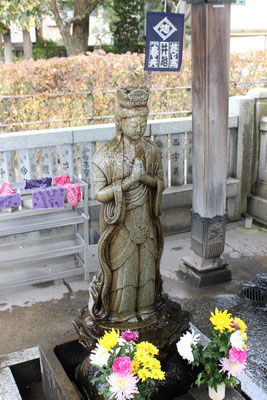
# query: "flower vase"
[220,394]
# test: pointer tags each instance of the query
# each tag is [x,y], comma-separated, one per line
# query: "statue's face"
[134,128]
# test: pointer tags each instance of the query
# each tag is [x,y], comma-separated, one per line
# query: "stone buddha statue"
[127,293]
[128,181]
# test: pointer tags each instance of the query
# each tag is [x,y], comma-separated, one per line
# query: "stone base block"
[257,207]
[56,359]
[205,272]
[203,264]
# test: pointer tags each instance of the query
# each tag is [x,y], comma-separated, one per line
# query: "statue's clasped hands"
[138,171]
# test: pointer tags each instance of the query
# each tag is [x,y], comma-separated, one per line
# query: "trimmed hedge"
[51,87]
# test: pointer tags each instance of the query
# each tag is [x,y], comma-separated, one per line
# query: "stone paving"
[41,313]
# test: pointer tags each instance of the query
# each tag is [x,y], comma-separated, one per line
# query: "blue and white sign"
[164,41]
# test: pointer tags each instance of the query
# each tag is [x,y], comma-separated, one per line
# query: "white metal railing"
[33,154]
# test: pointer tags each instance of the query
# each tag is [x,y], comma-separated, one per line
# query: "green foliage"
[45,49]
[209,357]
[45,80]
[23,13]
[17,59]
[155,5]
[128,25]
[110,48]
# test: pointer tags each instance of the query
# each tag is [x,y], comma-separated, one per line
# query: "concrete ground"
[30,315]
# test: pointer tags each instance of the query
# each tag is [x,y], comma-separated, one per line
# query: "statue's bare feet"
[144,316]
[133,319]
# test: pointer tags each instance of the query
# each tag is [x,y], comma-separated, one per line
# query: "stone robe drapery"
[131,241]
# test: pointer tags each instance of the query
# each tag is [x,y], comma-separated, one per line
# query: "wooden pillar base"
[208,235]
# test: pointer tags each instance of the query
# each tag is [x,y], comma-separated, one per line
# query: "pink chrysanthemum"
[234,324]
[122,365]
[232,368]
[129,335]
[238,355]
[122,387]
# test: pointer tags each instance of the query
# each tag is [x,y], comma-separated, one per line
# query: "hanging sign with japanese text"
[164,41]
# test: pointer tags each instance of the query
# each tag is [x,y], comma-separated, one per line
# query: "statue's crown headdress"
[132,96]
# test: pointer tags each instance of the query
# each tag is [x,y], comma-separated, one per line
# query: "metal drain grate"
[255,294]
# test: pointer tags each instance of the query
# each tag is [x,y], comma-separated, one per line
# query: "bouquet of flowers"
[128,370]
[225,355]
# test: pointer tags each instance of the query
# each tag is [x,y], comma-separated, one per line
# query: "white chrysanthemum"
[184,346]
[121,341]
[99,356]
[237,339]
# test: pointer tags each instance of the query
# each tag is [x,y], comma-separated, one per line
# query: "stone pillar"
[243,106]
[257,202]
[260,96]
[210,77]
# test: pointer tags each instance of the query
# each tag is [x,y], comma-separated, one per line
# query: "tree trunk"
[77,42]
[168,6]
[27,44]
[183,8]
[39,33]
[81,27]
[1,50]
[8,53]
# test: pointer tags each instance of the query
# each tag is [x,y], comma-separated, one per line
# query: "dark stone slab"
[210,1]
[179,378]
[184,397]
[202,393]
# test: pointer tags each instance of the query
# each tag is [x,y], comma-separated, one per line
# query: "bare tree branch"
[76,39]
[55,11]
[95,4]
[177,6]
[73,20]
[187,13]
[79,18]
[183,8]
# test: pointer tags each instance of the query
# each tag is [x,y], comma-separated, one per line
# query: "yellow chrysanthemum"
[245,337]
[110,339]
[135,366]
[143,374]
[140,355]
[158,374]
[241,325]
[148,347]
[221,320]
[146,361]
[154,364]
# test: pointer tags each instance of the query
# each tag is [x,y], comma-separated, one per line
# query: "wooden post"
[210,70]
